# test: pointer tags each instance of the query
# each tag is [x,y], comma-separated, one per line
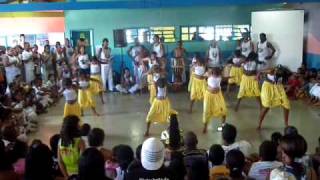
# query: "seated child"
[294,84]
[216,158]
[42,94]
[128,84]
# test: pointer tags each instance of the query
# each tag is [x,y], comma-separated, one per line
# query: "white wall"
[284,30]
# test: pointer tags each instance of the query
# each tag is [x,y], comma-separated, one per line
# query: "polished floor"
[123,119]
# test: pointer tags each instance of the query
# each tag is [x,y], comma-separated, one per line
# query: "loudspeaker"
[119,37]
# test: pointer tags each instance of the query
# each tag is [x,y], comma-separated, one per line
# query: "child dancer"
[236,70]
[71,106]
[214,104]
[160,110]
[198,84]
[96,85]
[153,76]
[85,96]
[249,86]
[273,95]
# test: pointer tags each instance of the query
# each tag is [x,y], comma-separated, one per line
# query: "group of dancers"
[248,68]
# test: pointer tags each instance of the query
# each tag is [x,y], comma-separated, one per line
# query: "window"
[187,32]
[223,32]
[168,33]
[141,33]
[237,31]
[206,32]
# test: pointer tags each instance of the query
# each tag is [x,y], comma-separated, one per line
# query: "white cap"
[152,154]
[280,174]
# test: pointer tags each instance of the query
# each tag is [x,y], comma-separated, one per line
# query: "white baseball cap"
[152,154]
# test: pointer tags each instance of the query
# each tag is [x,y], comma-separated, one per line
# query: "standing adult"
[37,59]
[27,60]
[47,63]
[213,54]
[135,52]
[60,58]
[178,63]
[158,48]
[246,45]
[68,50]
[11,63]
[105,58]
[83,61]
[265,52]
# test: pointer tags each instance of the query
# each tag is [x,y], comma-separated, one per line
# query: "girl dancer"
[96,85]
[214,104]
[71,106]
[153,76]
[85,96]
[160,110]
[236,70]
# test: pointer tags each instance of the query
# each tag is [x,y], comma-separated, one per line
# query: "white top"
[83,84]
[70,94]
[236,60]
[214,82]
[263,51]
[83,61]
[135,51]
[161,92]
[13,59]
[244,146]
[66,74]
[157,49]
[156,76]
[95,68]
[59,56]
[261,170]
[105,56]
[246,48]
[271,77]
[199,70]
[250,66]
[280,174]
[26,55]
[214,57]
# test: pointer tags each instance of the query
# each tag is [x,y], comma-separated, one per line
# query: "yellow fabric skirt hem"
[236,75]
[160,111]
[273,95]
[86,99]
[96,86]
[72,109]
[198,88]
[249,87]
[214,106]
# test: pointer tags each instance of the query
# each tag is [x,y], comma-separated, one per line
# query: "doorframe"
[91,38]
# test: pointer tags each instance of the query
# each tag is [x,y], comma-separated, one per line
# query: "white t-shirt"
[244,146]
[261,170]
[84,62]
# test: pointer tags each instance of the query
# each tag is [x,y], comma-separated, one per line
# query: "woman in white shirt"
[27,60]
[214,55]
[83,61]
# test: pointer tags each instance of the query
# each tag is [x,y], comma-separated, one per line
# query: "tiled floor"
[123,119]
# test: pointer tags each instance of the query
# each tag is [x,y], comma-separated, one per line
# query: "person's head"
[229,134]
[263,37]
[27,46]
[17,151]
[69,130]
[291,130]
[35,48]
[124,155]
[180,44]
[66,42]
[58,44]
[216,154]
[153,55]
[85,129]
[213,43]
[51,77]
[82,50]
[47,48]
[161,82]
[38,162]
[237,53]
[292,147]
[96,137]
[276,137]
[190,140]
[156,38]
[22,37]
[105,42]
[126,72]
[268,151]
[136,41]
[46,42]
[235,163]
[245,36]
[174,133]
[138,152]
[94,59]
[54,141]
[216,71]
[252,56]
[68,82]
[83,76]
[91,165]
[152,154]
[38,82]
[9,133]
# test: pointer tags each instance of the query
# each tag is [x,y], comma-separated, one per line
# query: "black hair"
[161,82]
[235,162]
[47,46]
[9,133]
[190,140]
[39,162]
[18,150]
[5,164]
[229,133]
[96,137]
[69,130]
[105,40]
[237,53]
[268,151]
[54,141]
[276,137]
[293,146]
[124,155]
[216,154]
[216,71]
[85,129]
[174,133]
[252,56]
[67,82]
[291,130]
[22,35]
[50,75]
[138,152]
[94,58]
[156,36]
[263,34]
[91,165]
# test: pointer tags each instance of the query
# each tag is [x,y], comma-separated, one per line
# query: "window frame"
[150,33]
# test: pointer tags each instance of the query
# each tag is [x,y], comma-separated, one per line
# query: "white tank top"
[70,95]
[26,55]
[94,68]
[236,60]
[250,66]
[105,56]
[214,55]
[157,49]
[214,82]
[83,61]
[83,84]
[161,92]
[263,51]
[199,70]
[60,56]
[246,48]
[66,74]
[13,59]
[156,76]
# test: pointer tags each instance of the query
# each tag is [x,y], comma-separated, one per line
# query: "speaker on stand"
[120,41]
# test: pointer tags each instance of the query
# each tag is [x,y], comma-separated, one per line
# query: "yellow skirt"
[190,82]
[249,87]
[72,109]
[213,106]
[273,95]
[160,111]
[85,99]
[96,86]
[152,93]
[198,88]
[236,75]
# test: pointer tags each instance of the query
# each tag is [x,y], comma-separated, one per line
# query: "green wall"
[104,21]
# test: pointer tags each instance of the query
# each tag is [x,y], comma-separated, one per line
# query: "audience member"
[96,139]
[84,132]
[235,162]
[136,163]
[124,156]
[6,169]
[54,144]
[216,157]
